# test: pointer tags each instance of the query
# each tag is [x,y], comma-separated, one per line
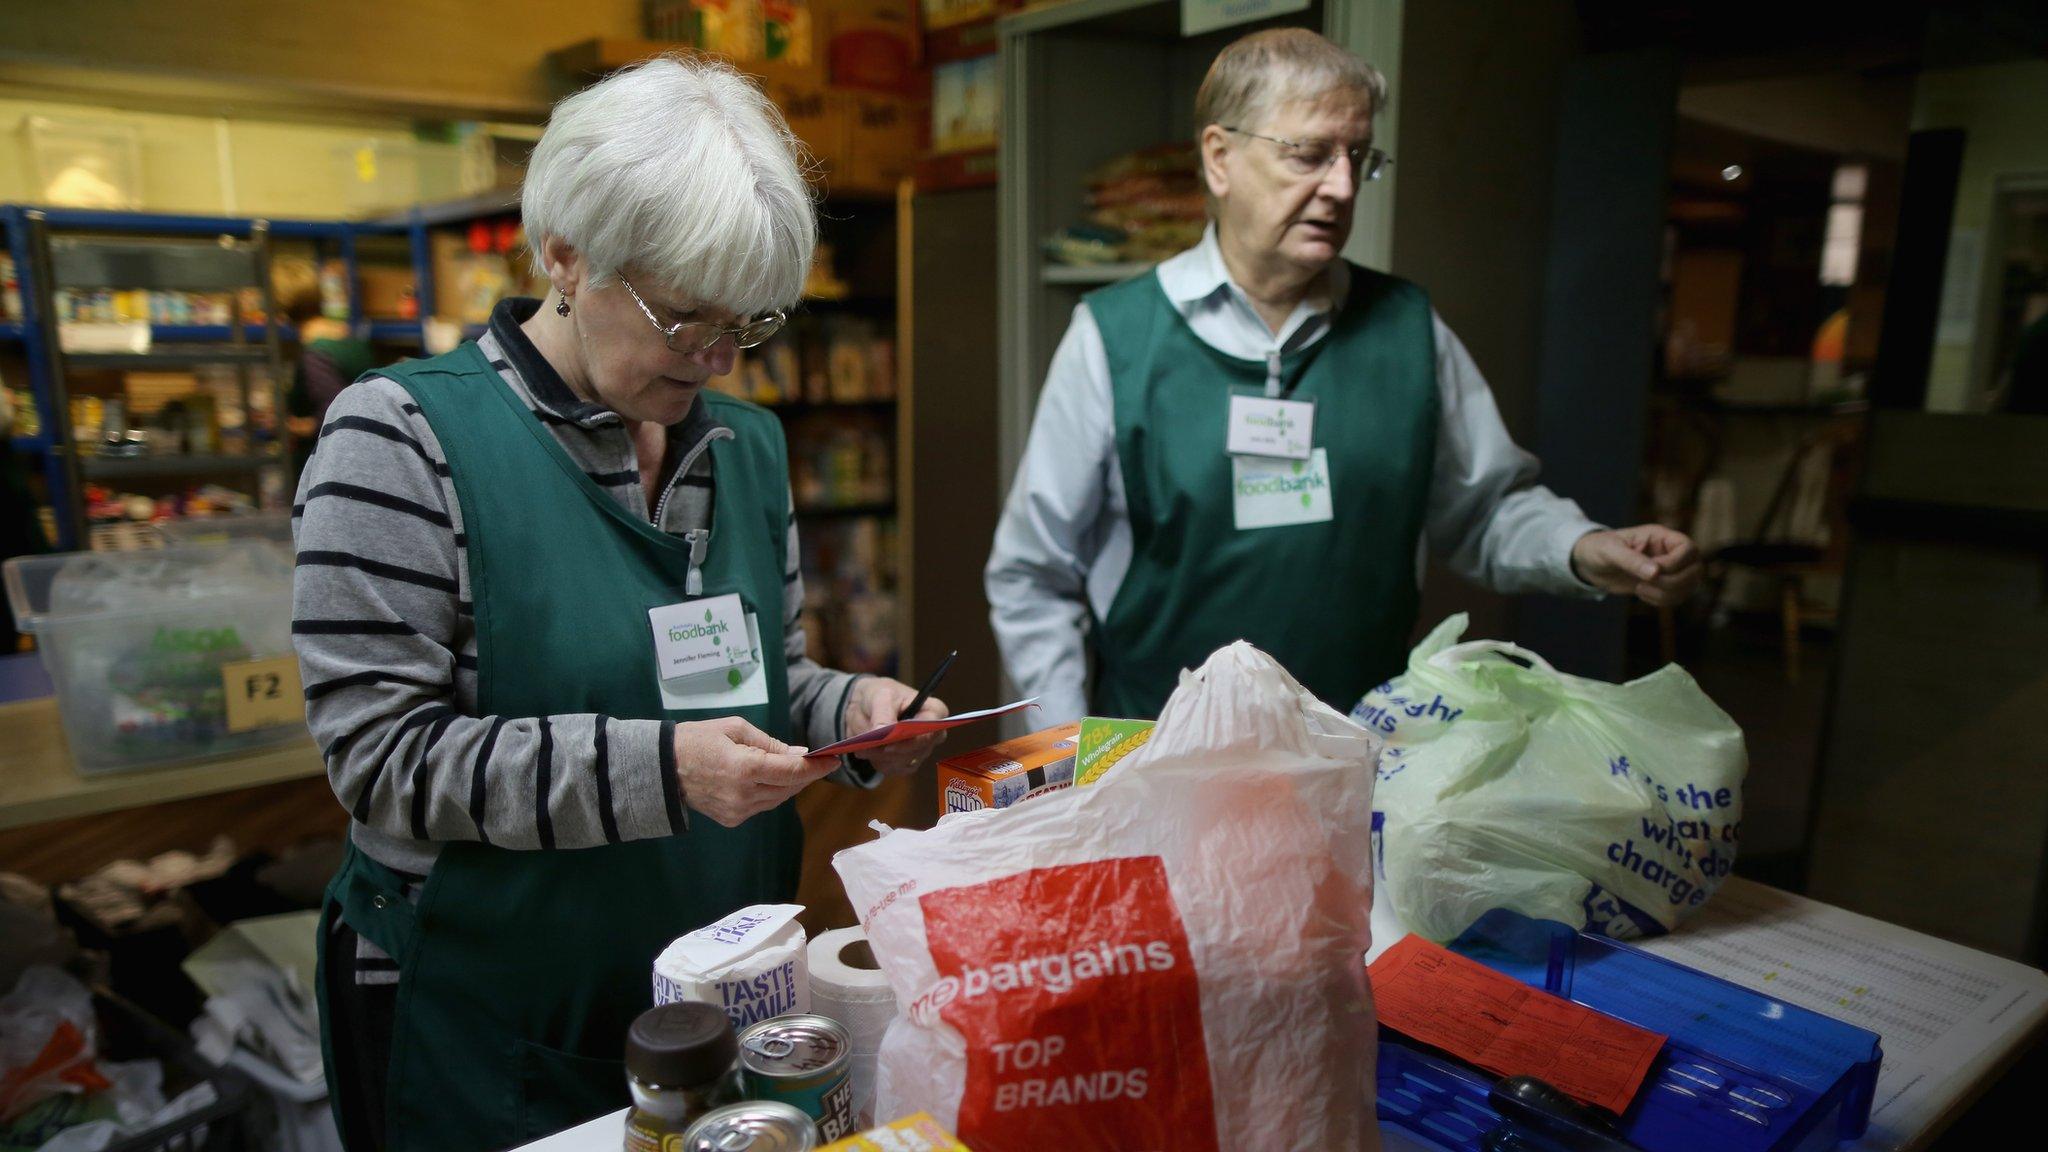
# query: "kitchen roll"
[751,964]
[848,987]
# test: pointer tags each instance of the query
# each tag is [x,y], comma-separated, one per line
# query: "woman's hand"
[878,700]
[730,770]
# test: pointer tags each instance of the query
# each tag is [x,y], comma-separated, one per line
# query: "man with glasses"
[1256,440]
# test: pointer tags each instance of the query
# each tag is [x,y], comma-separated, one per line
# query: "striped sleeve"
[381,609]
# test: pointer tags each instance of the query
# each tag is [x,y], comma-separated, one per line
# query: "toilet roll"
[752,964]
[846,986]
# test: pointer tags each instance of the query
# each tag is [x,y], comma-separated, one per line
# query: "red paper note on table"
[1498,1023]
[903,730]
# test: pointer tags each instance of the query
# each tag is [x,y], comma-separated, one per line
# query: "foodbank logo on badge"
[1299,481]
[713,628]
[1279,422]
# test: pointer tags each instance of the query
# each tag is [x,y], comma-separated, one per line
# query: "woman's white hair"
[682,169]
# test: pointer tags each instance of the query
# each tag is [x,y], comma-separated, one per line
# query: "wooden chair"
[1771,553]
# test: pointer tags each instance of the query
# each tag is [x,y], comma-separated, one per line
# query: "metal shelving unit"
[74,249]
[57,249]
[1093,273]
[144,467]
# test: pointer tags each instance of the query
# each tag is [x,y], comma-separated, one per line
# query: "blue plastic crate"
[1741,1072]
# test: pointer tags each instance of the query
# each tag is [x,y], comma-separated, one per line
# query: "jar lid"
[681,1045]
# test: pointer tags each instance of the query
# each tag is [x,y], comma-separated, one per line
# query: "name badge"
[1273,493]
[700,638]
[722,692]
[1260,426]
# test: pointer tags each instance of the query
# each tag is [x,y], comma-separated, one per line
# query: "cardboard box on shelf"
[946,13]
[775,33]
[884,137]
[467,283]
[1004,774]
[813,113]
[959,42]
[872,45]
[953,171]
[386,292]
[966,104]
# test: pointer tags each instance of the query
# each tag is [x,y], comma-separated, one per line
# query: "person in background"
[548,610]
[331,355]
[2026,379]
[1130,524]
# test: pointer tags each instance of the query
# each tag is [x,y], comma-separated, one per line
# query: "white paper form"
[1948,1016]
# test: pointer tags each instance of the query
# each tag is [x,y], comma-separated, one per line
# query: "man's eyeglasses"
[691,336]
[1314,157]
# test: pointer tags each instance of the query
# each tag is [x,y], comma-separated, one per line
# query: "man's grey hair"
[682,170]
[1261,72]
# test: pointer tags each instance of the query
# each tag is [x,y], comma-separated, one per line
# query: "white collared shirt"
[1063,545]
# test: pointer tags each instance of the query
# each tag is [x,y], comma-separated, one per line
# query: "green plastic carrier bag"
[1616,808]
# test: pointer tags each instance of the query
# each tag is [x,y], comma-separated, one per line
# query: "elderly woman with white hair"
[1255,440]
[548,614]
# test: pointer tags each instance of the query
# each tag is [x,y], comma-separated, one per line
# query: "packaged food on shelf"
[849,361]
[746,31]
[148,306]
[334,289]
[387,292]
[470,275]
[1142,206]
[768,375]
[846,466]
[884,137]
[223,516]
[946,13]
[27,417]
[872,44]
[850,606]
[10,289]
[823,282]
[966,104]
[126,521]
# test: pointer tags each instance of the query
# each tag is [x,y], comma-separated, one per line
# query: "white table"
[1951,1018]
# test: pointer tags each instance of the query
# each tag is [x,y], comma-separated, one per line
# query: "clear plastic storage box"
[138,644]
[268,527]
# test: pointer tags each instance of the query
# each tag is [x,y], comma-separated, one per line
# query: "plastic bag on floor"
[56,1092]
[1616,808]
[1172,958]
[47,1047]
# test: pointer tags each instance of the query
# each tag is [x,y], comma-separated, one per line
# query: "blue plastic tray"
[1741,1073]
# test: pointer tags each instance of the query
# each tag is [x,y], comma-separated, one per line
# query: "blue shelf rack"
[341,236]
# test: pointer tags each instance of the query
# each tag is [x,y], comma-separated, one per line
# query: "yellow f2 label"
[263,692]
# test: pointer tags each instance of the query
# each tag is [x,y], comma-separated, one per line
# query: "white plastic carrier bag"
[1172,958]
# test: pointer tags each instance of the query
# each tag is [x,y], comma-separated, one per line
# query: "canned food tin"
[804,1060]
[755,1126]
